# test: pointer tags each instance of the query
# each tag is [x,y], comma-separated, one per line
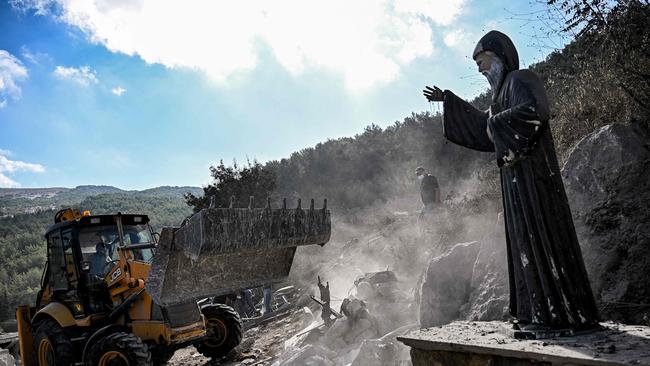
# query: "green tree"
[235,182]
[617,33]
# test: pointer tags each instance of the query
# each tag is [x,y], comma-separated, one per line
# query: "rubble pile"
[319,335]
[357,334]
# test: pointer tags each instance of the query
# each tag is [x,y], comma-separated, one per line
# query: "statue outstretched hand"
[433,94]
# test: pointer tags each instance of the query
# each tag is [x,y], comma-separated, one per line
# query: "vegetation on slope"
[599,78]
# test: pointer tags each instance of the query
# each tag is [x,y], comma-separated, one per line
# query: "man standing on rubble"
[429,190]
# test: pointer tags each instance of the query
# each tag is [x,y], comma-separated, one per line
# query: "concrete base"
[484,344]
[508,330]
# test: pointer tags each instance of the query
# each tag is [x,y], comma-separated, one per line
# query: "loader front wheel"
[120,349]
[51,345]
[224,331]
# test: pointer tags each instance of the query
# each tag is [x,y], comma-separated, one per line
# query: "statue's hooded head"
[496,56]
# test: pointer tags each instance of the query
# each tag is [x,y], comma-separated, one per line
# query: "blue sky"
[138,94]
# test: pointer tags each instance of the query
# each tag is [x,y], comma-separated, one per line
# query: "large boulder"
[607,179]
[447,285]
[489,298]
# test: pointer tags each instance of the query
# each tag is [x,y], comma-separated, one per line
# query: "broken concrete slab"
[309,355]
[480,343]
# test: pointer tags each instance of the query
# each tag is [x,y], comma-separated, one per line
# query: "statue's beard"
[494,74]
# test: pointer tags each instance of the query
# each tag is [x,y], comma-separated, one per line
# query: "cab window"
[99,247]
[57,265]
[138,234]
[68,255]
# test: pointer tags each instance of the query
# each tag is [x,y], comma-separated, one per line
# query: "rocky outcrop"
[447,285]
[490,295]
[607,179]
[469,282]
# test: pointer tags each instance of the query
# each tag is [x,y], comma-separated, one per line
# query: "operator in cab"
[98,260]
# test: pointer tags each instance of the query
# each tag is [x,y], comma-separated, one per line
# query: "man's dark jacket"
[428,189]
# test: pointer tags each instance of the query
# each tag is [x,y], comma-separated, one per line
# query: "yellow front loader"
[113,292]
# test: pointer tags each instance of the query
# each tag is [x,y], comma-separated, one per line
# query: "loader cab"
[82,251]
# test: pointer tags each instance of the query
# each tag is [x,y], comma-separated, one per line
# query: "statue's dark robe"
[548,281]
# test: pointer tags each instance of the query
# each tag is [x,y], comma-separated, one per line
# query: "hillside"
[589,85]
[29,200]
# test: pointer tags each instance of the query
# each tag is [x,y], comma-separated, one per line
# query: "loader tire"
[224,331]
[120,349]
[51,345]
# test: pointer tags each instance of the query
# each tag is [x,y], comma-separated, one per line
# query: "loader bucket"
[220,250]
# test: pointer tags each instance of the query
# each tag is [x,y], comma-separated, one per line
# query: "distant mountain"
[172,191]
[29,200]
[31,192]
[91,190]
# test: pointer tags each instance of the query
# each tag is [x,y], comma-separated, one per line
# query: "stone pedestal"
[484,344]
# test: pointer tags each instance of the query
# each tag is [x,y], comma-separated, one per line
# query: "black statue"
[549,287]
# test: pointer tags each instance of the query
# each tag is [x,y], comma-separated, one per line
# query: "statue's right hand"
[433,94]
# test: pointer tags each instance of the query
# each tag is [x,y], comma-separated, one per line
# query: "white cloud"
[6,182]
[83,75]
[366,41]
[40,7]
[28,55]
[118,91]
[34,57]
[460,39]
[12,166]
[440,12]
[12,71]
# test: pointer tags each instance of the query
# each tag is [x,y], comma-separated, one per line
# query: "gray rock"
[607,178]
[381,352]
[447,285]
[6,358]
[591,165]
[489,298]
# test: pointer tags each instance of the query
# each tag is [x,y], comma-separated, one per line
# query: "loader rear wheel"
[51,345]
[224,331]
[120,349]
